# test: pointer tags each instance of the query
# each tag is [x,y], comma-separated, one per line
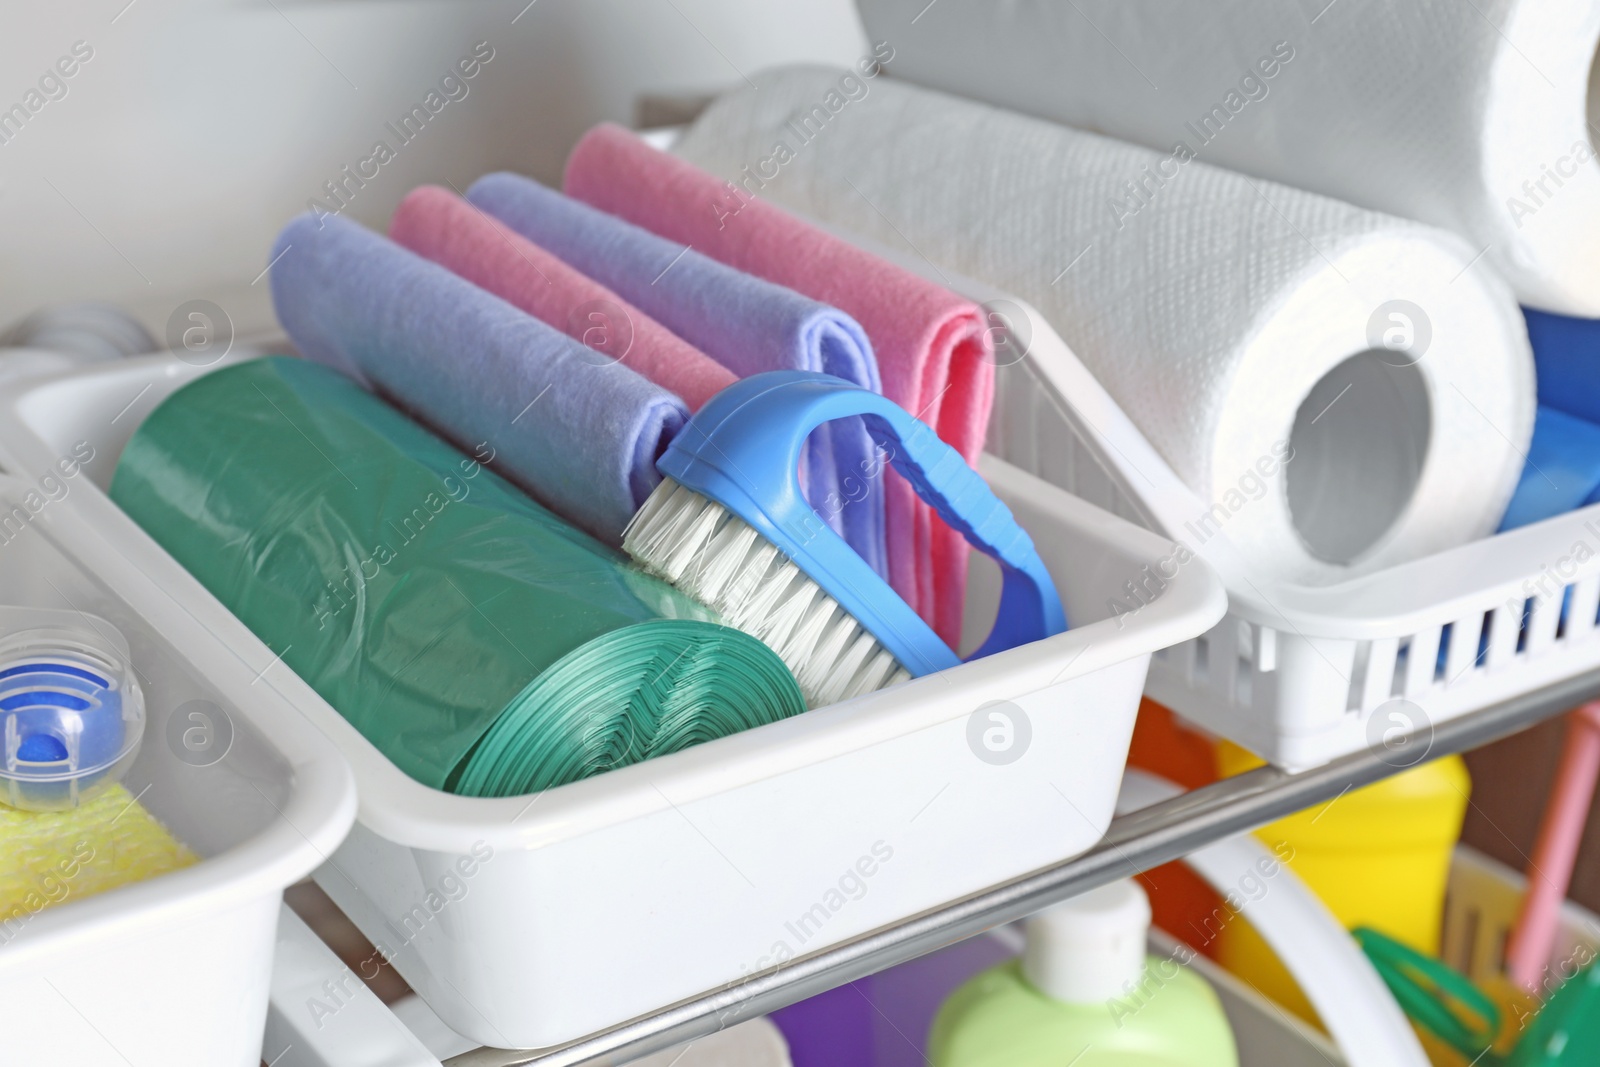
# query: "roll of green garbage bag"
[480,642]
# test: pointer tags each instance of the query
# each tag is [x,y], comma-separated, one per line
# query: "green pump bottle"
[1085,992]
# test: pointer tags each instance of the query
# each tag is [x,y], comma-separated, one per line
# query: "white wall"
[197,129]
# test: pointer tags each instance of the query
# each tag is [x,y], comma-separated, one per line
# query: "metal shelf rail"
[1135,842]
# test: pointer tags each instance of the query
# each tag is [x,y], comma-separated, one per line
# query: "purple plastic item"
[832,1029]
[883,1020]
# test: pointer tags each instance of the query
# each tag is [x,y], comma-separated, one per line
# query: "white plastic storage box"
[1302,675]
[560,914]
[175,970]
[1482,902]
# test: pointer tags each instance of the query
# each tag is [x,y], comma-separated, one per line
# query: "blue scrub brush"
[729,526]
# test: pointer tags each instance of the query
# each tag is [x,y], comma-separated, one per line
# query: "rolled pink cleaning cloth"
[934,353]
[438,225]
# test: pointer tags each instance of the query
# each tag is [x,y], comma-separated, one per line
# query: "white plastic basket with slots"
[600,900]
[173,970]
[1296,673]
[1482,901]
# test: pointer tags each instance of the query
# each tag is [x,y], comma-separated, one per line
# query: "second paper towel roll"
[1474,115]
[1237,322]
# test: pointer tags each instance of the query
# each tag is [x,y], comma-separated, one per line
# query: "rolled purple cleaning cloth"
[743,322]
[578,432]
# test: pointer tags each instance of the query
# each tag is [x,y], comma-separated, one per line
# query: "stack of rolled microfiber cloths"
[573,344]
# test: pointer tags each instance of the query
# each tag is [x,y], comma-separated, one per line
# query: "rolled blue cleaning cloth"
[1562,473]
[578,433]
[1566,362]
[1563,469]
[743,322]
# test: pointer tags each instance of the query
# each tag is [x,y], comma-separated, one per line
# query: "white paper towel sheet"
[1217,309]
[1473,115]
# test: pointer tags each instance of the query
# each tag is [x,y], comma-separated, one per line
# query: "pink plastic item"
[438,225]
[934,353]
[1550,871]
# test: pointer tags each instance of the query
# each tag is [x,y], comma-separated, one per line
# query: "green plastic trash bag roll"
[480,642]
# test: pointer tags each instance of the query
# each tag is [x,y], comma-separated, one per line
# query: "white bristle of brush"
[719,559]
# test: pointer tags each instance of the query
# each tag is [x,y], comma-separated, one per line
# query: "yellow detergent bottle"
[1377,856]
[1085,993]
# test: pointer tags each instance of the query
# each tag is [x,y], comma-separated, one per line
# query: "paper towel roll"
[1474,115]
[1237,322]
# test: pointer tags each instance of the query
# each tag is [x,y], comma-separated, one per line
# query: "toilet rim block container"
[174,969]
[71,706]
[707,865]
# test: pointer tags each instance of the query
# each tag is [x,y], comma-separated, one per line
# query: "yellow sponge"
[49,857]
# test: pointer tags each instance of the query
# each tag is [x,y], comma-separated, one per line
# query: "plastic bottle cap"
[1086,950]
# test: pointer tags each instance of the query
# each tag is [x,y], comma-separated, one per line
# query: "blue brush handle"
[743,449]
